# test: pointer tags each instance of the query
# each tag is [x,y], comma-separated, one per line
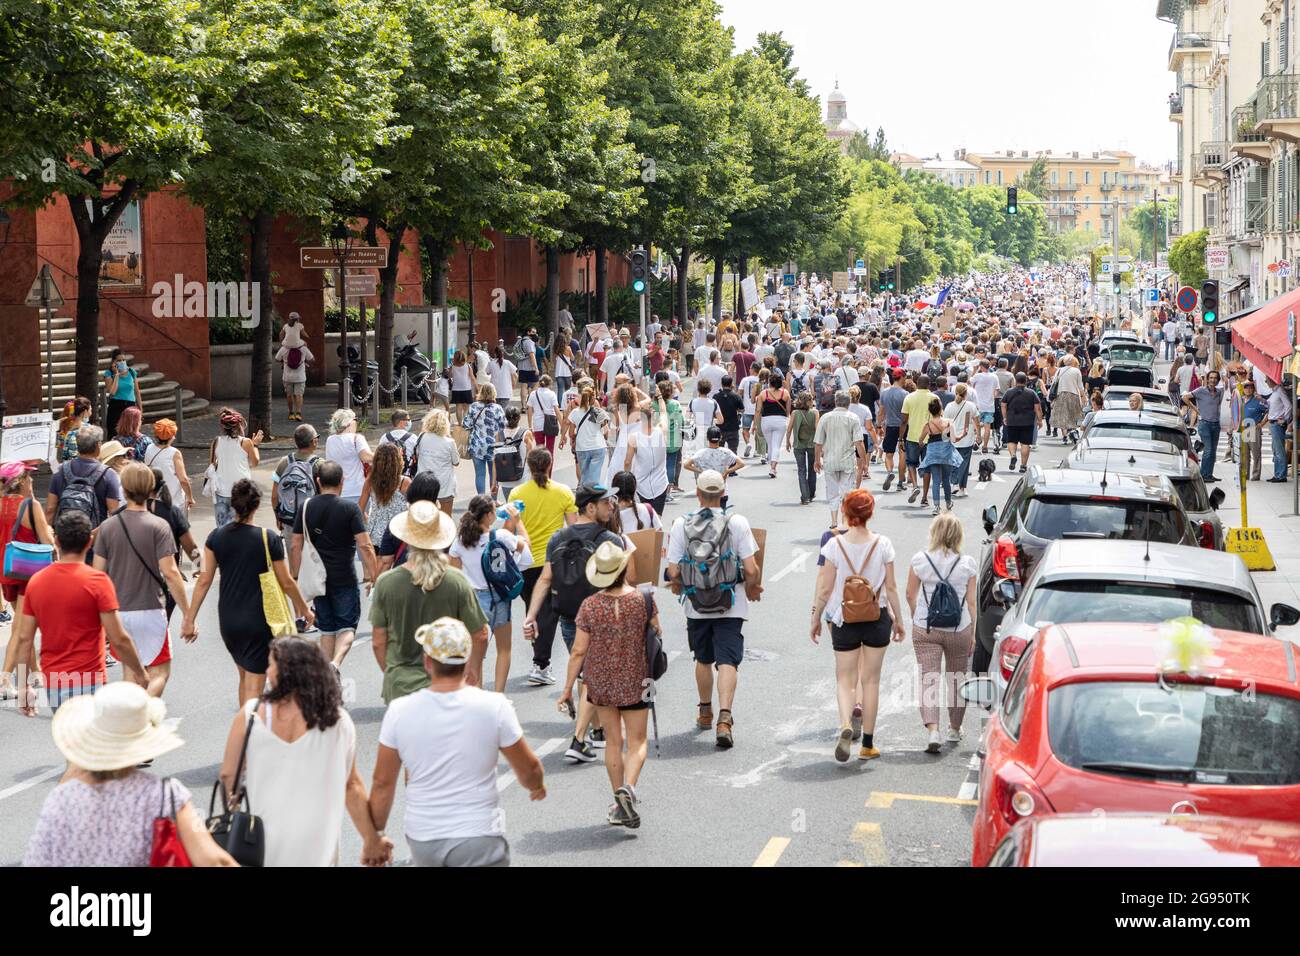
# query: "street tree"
[1187,258]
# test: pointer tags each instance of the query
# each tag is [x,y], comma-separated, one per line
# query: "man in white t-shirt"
[917,357]
[702,351]
[715,637]
[712,371]
[985,385]
[617,362]
[448,737]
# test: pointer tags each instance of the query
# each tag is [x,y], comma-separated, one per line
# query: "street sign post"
[787,280]
[1187,299]
[45,295]
[359,257]
[861,264]
[361,287]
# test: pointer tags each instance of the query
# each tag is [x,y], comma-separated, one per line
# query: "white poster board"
[27,437]
[748,292]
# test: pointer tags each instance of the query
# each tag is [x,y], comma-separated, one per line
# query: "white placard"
[26,437]
[748,292]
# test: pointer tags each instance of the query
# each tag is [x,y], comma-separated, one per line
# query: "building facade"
[839,128]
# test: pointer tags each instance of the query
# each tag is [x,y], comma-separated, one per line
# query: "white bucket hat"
[119,726]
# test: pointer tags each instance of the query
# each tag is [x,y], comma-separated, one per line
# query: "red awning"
[1262,337]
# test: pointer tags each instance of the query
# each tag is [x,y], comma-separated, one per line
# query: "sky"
[986,76]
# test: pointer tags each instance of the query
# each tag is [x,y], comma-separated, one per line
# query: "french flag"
[936,300]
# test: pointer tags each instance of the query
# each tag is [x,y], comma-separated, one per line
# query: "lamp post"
[341,243]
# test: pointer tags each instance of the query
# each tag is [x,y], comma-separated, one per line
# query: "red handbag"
[167,849]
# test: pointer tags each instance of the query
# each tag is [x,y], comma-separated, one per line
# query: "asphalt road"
[777,798]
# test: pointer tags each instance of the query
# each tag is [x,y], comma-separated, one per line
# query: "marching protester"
[75,414]
[771,416]
[840,455]
[801,438]
[859,570]
[436,454]
[384,489]
[966,422]
[168,459]
[587,427]
[232,456]
[242,552]
[23,521]
[350,451]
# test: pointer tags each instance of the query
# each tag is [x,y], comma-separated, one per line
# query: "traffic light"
[1210,301]
[882,280]
[891,282]
[1118,277]
[1012,204]
[640,270]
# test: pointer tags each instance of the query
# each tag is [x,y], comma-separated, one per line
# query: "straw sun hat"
[424,525]
[604,567]
[119,726]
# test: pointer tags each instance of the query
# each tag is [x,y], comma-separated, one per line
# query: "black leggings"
[546,619]
[656,503]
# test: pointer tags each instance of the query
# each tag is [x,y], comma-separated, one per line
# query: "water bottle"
[513,509]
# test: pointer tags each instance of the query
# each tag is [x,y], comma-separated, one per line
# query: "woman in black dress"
[239,550]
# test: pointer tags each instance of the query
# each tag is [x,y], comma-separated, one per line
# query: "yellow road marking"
[847,863]
[772,852]
[883,801]
[872,841]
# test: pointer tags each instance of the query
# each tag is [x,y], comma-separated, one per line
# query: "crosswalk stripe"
[968,792]
[772,852]
[506,779]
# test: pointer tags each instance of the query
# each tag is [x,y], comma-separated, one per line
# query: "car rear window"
[1054,518]
[1131,354]
[1193,733]
[1079,602]
[1174,436]
[1192,494]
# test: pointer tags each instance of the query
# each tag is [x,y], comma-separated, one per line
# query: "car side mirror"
[1282,615]
[1216,498]
[978,691]
[1007,591]
[990,518]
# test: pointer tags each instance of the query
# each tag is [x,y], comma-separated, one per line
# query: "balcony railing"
[1107,187]
[1209,160]
[1256,214]
[1244,123]
[1175,105]
[1189,42]
[1276,98]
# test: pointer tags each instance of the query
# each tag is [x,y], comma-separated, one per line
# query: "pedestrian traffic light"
[1118,278]
[891,281]
[1210,301]
[1012,204]
[640,270]
[882,281]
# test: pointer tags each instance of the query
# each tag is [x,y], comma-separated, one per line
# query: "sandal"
[705,718]
[724,729]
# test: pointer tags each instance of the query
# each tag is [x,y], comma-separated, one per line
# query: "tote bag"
[311,573]
[275,606]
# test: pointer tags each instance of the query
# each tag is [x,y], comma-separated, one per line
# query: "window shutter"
[1283,44]
[1263,59]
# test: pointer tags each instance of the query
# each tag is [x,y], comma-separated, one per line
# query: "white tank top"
[460,378]
[163,457]
[232,463]
[650,465]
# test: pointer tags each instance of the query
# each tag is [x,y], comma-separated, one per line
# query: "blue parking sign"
[1153,295]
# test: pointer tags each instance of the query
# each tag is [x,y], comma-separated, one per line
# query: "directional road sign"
[1187,299]
[787,280]
[1116,258]
[1120,266]
[861,264]
[358,257]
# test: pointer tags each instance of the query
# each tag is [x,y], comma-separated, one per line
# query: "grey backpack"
[710,569]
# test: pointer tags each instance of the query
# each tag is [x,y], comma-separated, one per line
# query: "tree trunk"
[742,270]
[259,262]
[683,263]
[552,292]
[719,270]
[387,299]
[92,228]
[437,253]
[602,285]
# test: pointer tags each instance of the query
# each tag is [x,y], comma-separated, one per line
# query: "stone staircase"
[157,393]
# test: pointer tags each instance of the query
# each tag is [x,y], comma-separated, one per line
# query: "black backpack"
[509,458]
[656,658]
[413,465]
[79,494]
[296,485]
[569,584]
[944,607]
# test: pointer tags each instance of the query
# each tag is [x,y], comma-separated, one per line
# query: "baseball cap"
[586,494]
[714,433]
[711,482]
[446,640]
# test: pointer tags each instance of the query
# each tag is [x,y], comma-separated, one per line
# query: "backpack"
[798,383]
[569,584]
[296,485]
[937,371]
[500,570]
[858,603]
[293,359]
[509,458]
[656,658]
[79,494]
[710,569]
[413,463]
[944,607]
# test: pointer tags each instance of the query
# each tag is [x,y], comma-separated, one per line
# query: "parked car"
[1110,336]
[1102,453]
[1048,504]
[1129,363]
[1093,719]
[1077,582]
[1141,839]
[1148,424]
[1156,399]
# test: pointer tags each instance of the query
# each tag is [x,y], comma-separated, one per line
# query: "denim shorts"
[338,610]
[746,421]
[986,418]
[913,453]
[222,510]
[497,615]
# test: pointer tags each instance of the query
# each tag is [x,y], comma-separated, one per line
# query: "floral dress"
[615,667]
[484,422]
[137,446]
[380,515]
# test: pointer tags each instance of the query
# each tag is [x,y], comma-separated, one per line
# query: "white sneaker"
[749,449]
[547,677]
[933,746]
[535,676]
[954,735]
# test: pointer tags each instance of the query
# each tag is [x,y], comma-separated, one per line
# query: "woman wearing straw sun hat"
[609,651]
[101,813]
[426,587]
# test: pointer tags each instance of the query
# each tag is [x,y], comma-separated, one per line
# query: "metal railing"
[1188,41]
[1107,187]
[1210,158]
[1244,123]
[1175,105]
[1276,98]
[1256,215]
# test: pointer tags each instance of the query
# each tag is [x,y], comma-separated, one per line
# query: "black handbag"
[237,830]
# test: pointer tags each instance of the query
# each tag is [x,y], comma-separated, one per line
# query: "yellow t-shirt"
[544,511]
[917,409]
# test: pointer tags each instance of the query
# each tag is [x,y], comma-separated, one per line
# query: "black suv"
[1049,504]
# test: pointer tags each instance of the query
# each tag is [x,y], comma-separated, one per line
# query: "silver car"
[1149,424]
[1132,582]
[1100,452]
[1154,399]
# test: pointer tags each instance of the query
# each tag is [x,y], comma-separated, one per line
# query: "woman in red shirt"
[20,520]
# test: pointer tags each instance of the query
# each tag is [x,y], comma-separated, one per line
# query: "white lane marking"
[797,565]
[32,782]
[974,762]
[506,779]
[673,655]
[969,790]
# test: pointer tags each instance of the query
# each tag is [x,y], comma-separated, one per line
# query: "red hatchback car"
[1088,722]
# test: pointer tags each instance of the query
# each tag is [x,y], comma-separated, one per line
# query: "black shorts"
[462,396]
[1018,434]
[849,637]
[716,640]
[527,377]
[890,444]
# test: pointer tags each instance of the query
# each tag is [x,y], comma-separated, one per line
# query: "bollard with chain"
[403,387]
[180,414]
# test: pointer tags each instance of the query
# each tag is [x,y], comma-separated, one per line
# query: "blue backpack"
[504,579]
